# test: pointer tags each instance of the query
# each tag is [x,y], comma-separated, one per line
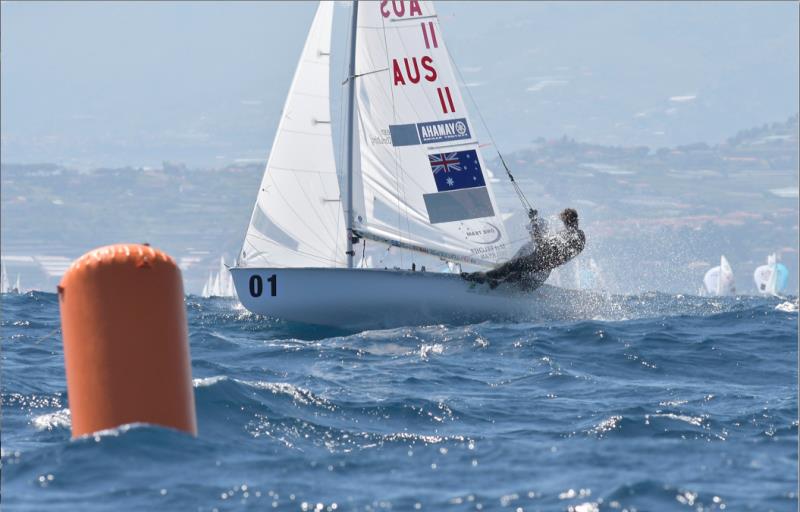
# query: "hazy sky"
[114,83]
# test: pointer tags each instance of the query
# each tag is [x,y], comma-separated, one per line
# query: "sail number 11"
[257,285]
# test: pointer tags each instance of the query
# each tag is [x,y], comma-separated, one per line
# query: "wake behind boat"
[384,240]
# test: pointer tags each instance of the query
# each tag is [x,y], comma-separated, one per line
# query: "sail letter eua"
[422,181]
[297,219]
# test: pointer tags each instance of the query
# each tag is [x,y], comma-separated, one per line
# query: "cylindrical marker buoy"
[126,347]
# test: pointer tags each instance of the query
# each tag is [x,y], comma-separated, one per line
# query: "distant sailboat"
[365,246]
[5,286]
[719,280]
[772,278]
[207,287]
[219,284]
[588,275]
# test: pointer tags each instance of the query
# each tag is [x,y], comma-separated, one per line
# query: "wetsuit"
[531,265]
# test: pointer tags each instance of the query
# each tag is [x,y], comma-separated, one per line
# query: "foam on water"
[647,402]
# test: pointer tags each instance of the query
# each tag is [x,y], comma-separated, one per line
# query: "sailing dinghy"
[772,278]
[381,242]
[719,280]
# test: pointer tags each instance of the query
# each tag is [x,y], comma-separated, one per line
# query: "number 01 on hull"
[366,298]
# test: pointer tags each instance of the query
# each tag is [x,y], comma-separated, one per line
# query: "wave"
[61,419]
[580,413]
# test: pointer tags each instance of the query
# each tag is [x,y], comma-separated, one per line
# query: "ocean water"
[664,403]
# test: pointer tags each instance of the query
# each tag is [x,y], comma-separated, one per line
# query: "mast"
[351,77]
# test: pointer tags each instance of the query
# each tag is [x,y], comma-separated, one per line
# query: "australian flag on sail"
[457,170]
[462,192]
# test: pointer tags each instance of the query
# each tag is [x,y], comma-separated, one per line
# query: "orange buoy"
[126,347]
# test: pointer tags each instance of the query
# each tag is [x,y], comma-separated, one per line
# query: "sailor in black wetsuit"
[531,265]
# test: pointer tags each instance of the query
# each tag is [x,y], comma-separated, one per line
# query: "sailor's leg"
[500,272]
[475,277]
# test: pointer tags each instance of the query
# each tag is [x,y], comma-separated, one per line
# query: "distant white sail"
[225,280]
[719,280]
[772,278]
[297,219]
[727,285]
[219,283]
[207,286]
[587,275]
[215,286]
[4,284]
[18,286]
[421,182]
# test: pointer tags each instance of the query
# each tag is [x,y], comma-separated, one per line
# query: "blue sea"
[664,403]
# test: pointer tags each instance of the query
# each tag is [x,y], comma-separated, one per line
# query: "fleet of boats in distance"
[770,279]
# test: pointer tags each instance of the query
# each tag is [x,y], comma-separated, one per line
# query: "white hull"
[366,298]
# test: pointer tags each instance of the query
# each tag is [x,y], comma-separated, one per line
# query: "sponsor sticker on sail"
[443,131]
[430,132]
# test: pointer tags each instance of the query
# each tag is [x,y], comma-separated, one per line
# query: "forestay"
[297,219]
[422,182]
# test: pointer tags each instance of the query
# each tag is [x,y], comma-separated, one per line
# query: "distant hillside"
[775,134]
[655,219]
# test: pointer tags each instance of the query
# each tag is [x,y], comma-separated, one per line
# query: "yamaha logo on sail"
[443,131]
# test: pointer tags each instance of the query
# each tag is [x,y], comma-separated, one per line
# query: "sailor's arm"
[575,243]
[538,232]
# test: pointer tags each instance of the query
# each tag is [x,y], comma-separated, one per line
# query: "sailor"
[531,265]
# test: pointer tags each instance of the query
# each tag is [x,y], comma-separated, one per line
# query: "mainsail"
[719,281]
[297,219]
[421,182]
[772,278]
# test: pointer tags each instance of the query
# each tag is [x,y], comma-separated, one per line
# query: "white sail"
[225,280]
[297,219]
[18,286]
[421,182]
[763,276]
[719,280]
[215,286]
[772,278]
[4,284]
[711,281]
[727,285]
[207,286]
